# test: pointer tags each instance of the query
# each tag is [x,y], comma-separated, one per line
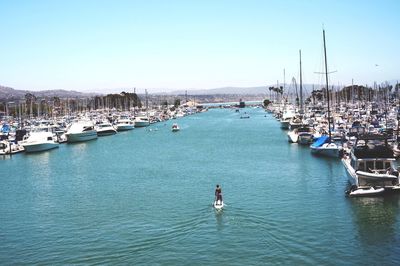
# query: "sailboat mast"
[326,84]
[301,88]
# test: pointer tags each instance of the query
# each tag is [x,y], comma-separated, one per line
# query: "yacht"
[124,123]
[371,163]
[302,135]
[286,117]
[295,122]
[105,129]
[37,141]
[81,131]
[305,135]
[142,121]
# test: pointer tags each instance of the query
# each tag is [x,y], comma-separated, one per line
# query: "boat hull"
[293,137]
[106,133]
[285,124]
[125,127]
[142,123]
[40,147]
[328,152]
[79,137]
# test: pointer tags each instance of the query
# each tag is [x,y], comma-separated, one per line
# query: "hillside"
[7,93]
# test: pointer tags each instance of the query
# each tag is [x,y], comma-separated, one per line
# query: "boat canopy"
[320,141]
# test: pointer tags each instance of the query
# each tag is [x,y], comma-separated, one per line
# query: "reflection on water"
[375,218]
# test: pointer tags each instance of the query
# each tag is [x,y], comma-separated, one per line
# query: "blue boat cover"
[320,141]
[5,128]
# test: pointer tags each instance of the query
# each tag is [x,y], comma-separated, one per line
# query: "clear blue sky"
[94,45]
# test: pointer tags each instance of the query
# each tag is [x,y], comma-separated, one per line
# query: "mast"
[327,88]
[301,88]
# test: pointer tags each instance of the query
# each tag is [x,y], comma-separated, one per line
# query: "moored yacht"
[105,129]
[371,163]
[142,121]
[81,131]
[295,122]
[39,141]
[287,115]
[302,135]
[124,123]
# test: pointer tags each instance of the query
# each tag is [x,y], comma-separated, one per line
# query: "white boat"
[81,131]
[218,204]
[124,123]
[295,122]
[363,192]
[175,127]
[286,117]
[293,136]
[142,121]
[305,135]
[8,147]
[39,141]
[105,129]
[371,163]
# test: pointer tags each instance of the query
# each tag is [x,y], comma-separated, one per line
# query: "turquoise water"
[144,197]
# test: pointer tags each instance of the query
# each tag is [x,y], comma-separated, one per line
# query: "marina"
[199,133]
[148,193]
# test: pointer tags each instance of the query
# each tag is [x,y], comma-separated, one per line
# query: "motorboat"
[81,131]
[305,135]
[365,192]
[371,163]
[8,147]
[175,127]
[302,135]
[37,141]
[124,123]
[295,122]
[105,129]
[218,204]
[142,121]
[286,117]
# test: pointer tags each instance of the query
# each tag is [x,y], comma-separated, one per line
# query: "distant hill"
[224,90]
[260,90]
[7,93]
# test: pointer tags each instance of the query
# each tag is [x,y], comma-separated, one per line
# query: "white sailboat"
[326,148]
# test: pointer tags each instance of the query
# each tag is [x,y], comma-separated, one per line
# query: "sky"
[165,45]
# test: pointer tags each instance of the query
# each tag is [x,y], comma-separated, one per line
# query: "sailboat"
[324,145]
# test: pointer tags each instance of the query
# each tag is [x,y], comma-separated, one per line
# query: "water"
[144,197]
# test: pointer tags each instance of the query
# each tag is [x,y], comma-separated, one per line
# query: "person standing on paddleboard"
[218,193]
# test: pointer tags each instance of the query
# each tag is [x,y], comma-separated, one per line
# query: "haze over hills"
[12,94]
[8,93]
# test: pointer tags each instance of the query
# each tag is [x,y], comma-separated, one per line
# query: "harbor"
[147,193]
[199,133]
